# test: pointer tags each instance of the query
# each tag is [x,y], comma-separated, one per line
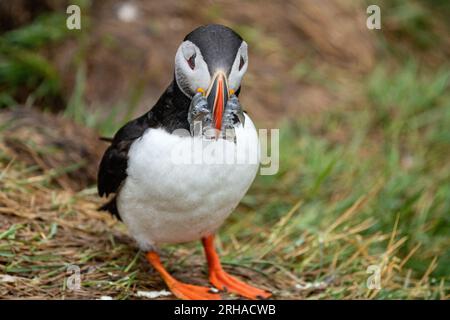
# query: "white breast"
[168,198]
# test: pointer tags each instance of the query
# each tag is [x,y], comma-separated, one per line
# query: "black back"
[170,113]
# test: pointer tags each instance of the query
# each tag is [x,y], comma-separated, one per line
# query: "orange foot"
[223,281]
[179,289]
[190,292]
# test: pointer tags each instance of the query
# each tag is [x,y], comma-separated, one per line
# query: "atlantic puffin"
[163,197]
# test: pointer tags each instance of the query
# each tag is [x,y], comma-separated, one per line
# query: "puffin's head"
[212,59]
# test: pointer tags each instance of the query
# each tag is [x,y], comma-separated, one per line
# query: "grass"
[359,186]
[23,69]
[382,172]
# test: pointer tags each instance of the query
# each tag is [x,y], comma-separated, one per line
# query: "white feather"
[235,77]
[189,80]
[162,201]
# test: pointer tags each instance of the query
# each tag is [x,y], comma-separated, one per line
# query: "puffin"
[178,171]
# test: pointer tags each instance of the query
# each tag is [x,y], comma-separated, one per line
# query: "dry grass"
[44,229]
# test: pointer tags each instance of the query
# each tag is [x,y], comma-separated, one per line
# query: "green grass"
[398,144]
[23,69]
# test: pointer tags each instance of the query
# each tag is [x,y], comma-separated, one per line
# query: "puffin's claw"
[179,289]
[191,292]
[225,282]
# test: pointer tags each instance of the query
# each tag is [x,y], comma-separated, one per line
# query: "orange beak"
[217,97]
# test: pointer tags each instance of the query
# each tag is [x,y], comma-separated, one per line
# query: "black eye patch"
[241,63]
[191,61]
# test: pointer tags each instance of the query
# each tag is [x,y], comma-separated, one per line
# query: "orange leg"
[180,289]
[222,280]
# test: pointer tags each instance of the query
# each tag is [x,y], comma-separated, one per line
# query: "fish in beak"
[217,97]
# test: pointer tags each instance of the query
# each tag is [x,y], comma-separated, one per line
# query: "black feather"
[111,207]
[218,44]
[106,139]
[169,113]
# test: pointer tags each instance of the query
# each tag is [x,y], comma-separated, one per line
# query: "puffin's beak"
[217,97]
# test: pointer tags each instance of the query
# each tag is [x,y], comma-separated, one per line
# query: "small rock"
[127,12]
[153,294]
[7,278]
[311,285]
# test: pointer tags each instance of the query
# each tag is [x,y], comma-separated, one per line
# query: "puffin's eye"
[241,63]
[191,61]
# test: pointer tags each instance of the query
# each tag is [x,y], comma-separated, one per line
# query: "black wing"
[113,167]
[170,112]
